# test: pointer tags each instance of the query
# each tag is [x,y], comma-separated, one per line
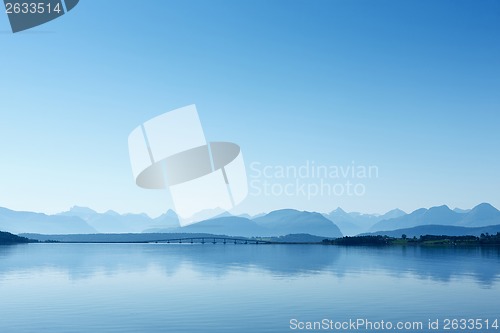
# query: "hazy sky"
[411,87]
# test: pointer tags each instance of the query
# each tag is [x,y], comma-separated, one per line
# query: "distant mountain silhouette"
[82,212]
[436,215]
[355,223]
[276,223]
[82,220]
[112,222]
[22,222]
[395,213]
[290,221]
[480,216]
[167,220]
[348,224]
[229,225]
[459,210]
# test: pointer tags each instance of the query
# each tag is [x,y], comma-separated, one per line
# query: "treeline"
[488,239]
[8,238]
[484,239]
[360,240]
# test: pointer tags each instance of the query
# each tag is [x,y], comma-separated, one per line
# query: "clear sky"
[411,87]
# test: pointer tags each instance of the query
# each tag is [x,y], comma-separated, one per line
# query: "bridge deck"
[213,240]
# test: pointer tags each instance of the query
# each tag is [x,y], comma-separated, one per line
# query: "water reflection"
[80,261]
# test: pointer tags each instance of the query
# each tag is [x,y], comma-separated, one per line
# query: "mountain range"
[356,223]
[276,223]
[19,222]
[82,220]
[112,222]
[480,216]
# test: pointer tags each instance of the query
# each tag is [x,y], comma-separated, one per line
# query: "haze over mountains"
[356,223]
[480,216]
[276,223]
[112,222]
[20,222]
[436,220]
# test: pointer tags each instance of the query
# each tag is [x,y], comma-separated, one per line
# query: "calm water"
[237,288]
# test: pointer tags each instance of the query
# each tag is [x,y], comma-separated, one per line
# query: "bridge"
[210,240]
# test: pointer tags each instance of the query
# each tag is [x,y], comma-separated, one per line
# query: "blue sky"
[412,87]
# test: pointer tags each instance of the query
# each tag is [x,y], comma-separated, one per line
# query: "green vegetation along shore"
[427,240]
